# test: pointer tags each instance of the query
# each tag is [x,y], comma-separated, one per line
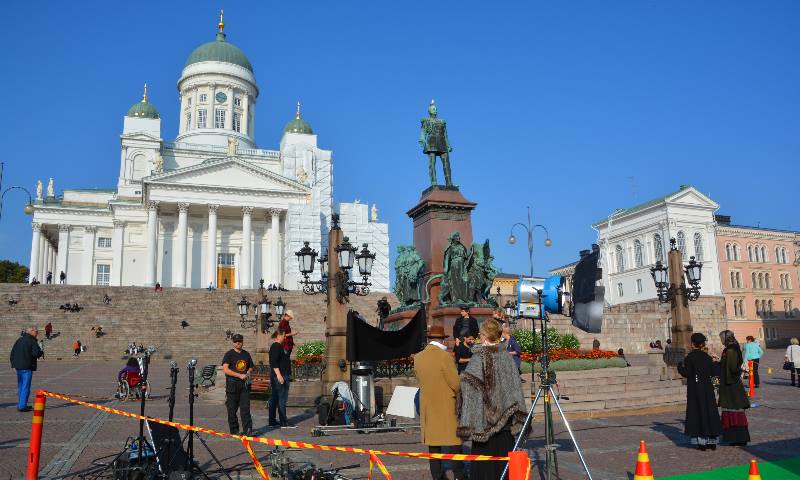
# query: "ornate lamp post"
[670,282]
[529,229]
[347,258]
[261,311]
[306,257]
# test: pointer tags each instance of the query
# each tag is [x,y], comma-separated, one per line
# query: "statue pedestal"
[440,212]
[447,316]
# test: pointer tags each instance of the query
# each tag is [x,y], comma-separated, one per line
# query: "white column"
[183,218]
[51,255]
[116,248]
[211,258]
[42,256]
[245,276]
[229,120]
[213,103]
[63,252]
[88,254]
[245,113]
[152,243]
[33,267]
[274,246]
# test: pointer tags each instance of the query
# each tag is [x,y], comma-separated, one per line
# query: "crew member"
[280,375]
[237,365]
[288,340]
[465,325]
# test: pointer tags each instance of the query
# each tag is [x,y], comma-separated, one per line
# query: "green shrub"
[310,349]
[531,343]
[553,338]
[525,339]
[584,364]
[570,341]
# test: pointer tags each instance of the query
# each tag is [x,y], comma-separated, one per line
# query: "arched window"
[783,255]
[777,255]
[763,253]
[755,283]
[750,253]
[766,280]
[758,254]
[728,255]
[786,308]
[698,247]
[736,252]
[783,285]
[791,309]
[741,308]
[658,248]
[769,308]
[733,279]
[681,240]
[760,280]
[620,259]
[638,254]
[758,307]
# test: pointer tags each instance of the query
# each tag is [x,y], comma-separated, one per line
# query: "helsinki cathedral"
[210,207]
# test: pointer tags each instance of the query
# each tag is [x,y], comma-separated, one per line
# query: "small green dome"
[298,125]
[143,109]
[219,51]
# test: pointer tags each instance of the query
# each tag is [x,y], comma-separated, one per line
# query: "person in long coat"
[732,398]
[438,386]
[702,418]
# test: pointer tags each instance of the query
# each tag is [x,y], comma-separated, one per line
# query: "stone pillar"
[51,257]
[231,96]
[213,103]
[88,254]
[42,257]
[245,275]
[116,246]
[183,218]
[48,256]
[681,319]
[152,243]
[335,324]
[211,258]
[63,251]
[274,246]
[33,267]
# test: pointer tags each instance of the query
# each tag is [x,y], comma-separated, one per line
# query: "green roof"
[298,125]
[219,51]
[143,109]
[626,211]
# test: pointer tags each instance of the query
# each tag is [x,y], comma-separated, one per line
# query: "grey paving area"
[74,436]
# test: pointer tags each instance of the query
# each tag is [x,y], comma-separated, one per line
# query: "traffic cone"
[753,475]
[643,470]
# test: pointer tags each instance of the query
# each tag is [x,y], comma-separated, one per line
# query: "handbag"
[789,364]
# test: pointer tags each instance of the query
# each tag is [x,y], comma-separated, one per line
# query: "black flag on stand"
[367,343]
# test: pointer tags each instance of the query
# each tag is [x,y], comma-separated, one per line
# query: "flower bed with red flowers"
[568,354]
[309,359]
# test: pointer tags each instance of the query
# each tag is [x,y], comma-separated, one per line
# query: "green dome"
[219,51]
[143,109]
[298,125]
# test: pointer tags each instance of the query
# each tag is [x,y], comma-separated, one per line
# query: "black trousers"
[437,466]
[793,376]
[237,397]
[756,380]
[498,445]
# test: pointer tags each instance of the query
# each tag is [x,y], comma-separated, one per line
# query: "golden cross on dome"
[221,23]
[297,116]
[144,97]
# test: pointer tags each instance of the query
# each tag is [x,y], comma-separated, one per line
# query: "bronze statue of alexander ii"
[434,141]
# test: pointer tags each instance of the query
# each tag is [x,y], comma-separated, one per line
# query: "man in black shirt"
[280,369]
[237,365]
[23,358]
[464,326]
[463,353]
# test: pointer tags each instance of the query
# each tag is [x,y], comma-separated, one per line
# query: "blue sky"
[574,108]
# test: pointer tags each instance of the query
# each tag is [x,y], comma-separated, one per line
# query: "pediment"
[141,136]
[692,197]
[227,174]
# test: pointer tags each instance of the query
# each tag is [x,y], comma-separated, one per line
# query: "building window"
[767,283]
[638,254]
[659,248]
[698,247]
[226,259]
[791,309]
[203,98]
[738,279]
[103,274]
[728,255]
[201,118]
[620,259]
[783,255]
[755,283]
[769,309]
[733,279]
[681,240]
[735,308]
[188,101]
[237,101]
[741,308]
[188,120]
[760,280]
[237,121]
[619,289]
[103,242]
[763,254]
[736,252]
[750,253]
[758,307]
[219,118]
[638,285]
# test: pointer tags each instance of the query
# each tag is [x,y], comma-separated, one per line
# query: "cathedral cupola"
[143,109]
[298,125]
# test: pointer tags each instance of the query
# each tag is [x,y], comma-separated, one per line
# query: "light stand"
[145,367]
[173,378]
[191,465]
[545,390]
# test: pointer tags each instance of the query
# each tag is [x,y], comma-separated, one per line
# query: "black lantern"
[346,253]
[365,258]
[510,309]
[264,304]
[244,306]
[693,274]
[323,266]
[280,307]
[661,278]
[306,258]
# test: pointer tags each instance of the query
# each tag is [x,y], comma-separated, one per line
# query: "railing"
[401,367]
[300,370]
[257,152]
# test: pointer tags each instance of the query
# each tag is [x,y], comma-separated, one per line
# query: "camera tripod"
[549,396]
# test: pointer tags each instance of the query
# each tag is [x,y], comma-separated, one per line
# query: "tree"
[13,272]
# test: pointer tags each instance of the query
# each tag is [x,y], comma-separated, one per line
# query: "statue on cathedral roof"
[374,213]
[38,190]
[51,192]
[159,163]
[434,141]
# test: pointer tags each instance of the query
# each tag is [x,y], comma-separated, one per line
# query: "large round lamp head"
[306,258]
[365,259]
[548,242]
[512,239]
[28,209]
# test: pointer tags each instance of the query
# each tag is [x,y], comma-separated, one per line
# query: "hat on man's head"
[464,308]
[436,331]
[288,313]
[698,338]
[237,337]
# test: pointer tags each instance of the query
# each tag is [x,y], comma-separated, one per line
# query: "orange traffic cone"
[753,475]
[643,470]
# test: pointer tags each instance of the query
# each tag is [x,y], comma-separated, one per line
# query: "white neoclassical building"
[632,240]
[209,207]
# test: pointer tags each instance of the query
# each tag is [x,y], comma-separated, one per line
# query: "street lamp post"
[28,209]
[670,282]
[529,229]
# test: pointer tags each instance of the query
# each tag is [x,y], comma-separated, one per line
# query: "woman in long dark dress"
[732,399]
[702,418]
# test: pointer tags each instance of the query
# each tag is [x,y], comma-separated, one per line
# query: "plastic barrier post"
[750,379]
[519,465]
[37,423]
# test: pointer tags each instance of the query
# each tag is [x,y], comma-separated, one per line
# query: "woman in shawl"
[702,418]
[490,405]
[732,399]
